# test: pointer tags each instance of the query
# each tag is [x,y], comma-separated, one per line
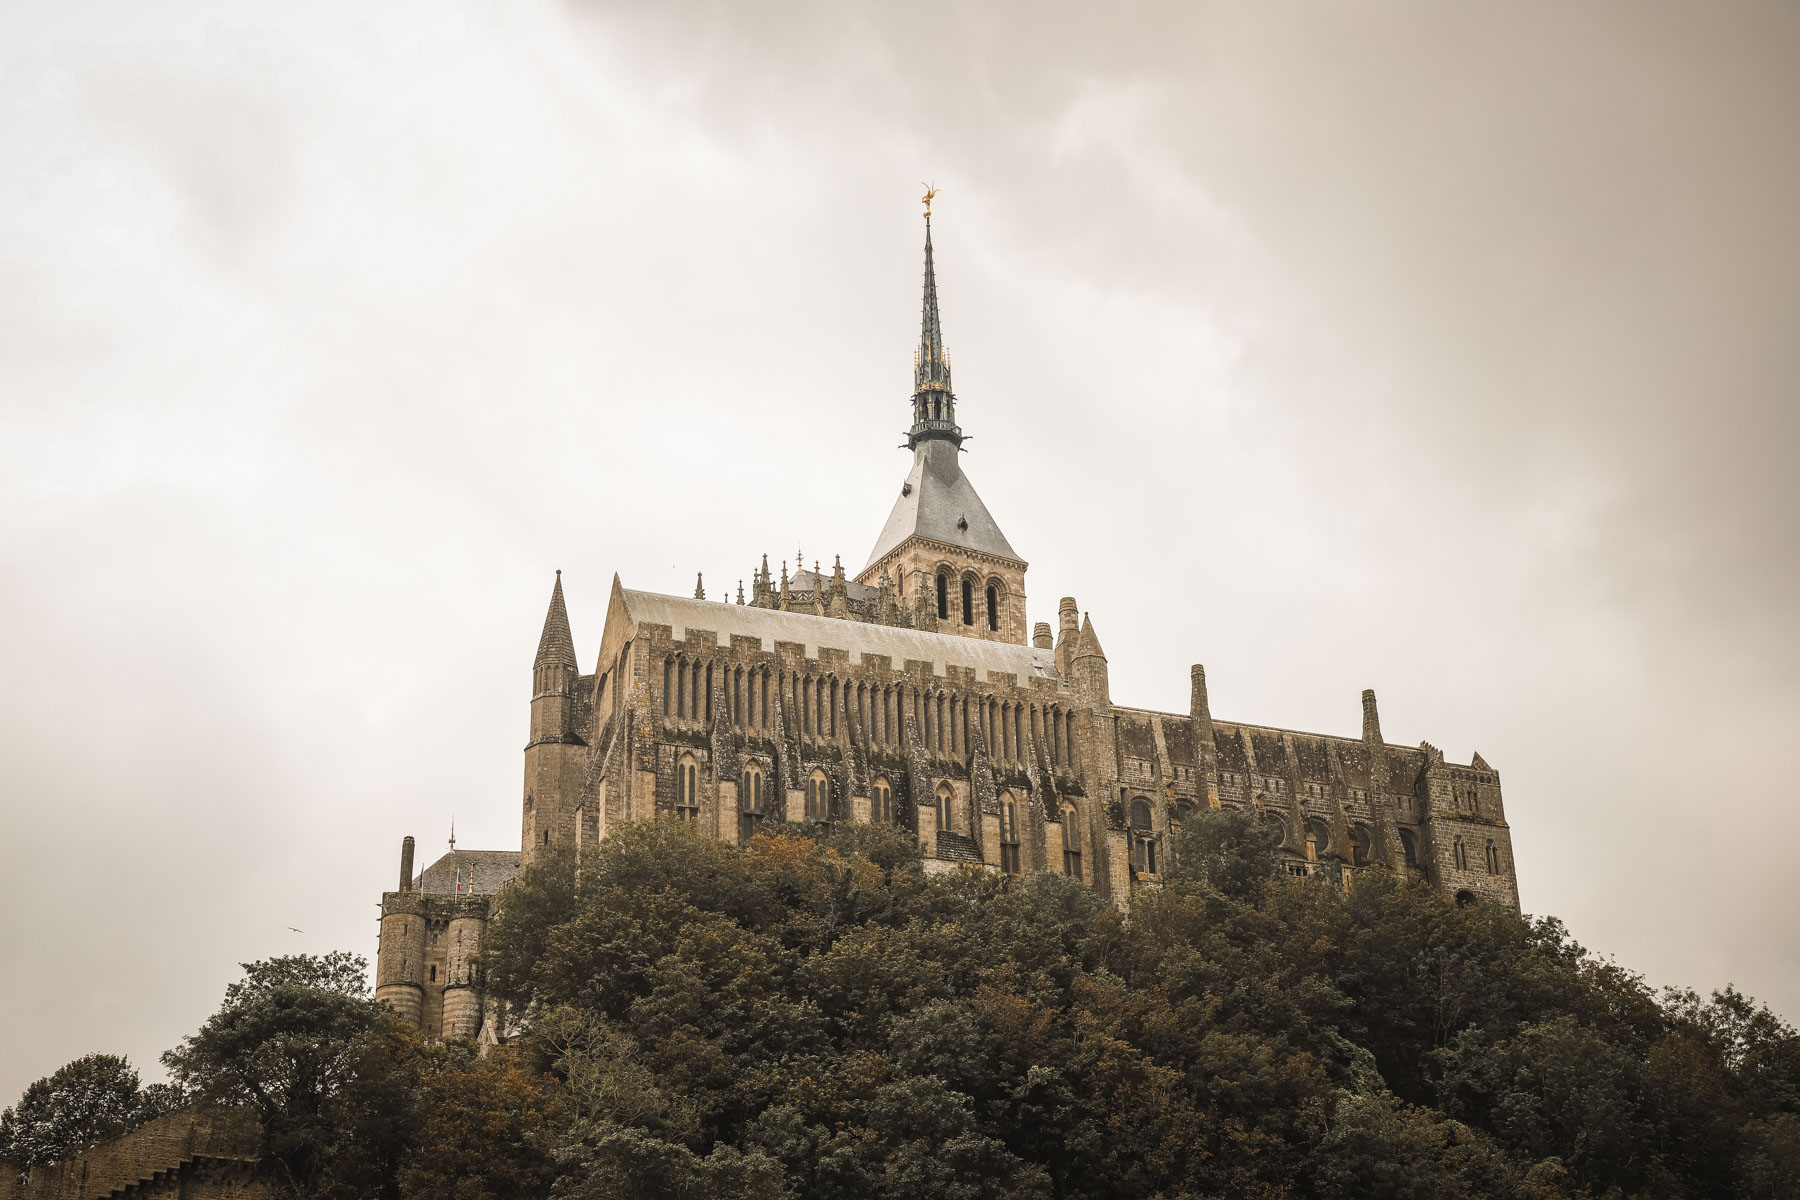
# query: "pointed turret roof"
[1087,644]
[556,648]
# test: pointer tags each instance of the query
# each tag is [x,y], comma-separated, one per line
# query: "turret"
[553,763]
[1205,751]
[400,955]
[553,671]
[1371,719]
[1087,667]
[1068,617]
[462,986]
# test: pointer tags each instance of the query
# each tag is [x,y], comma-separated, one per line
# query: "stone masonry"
[913,694]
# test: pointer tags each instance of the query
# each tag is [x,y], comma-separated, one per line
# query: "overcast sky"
[1448,350]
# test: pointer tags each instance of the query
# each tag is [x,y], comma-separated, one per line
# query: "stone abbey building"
[914,693]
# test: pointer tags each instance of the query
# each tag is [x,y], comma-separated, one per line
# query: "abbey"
[915,693]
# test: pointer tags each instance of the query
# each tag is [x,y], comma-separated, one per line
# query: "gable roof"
[857,638]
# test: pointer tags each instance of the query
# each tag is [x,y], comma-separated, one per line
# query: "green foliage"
[328,1071]
[814,1013]
[1227,849]
[83,1102]
[815,1016]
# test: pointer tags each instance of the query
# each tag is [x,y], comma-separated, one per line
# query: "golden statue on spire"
[930,191]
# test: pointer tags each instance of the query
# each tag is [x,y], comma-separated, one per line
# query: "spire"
[699,585]
[556,648]
[1088,644]
[934,404]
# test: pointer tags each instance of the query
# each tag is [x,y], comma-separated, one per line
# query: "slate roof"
[484,871]
[770,625]
[556,646]
[937,501]
[956,847]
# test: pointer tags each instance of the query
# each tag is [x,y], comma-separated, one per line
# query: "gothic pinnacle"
[699,587]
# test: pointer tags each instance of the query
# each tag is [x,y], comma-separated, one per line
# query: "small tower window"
[1493,858]
[968,601]
[881,802]
[993,607]
[944,795]
[943,597]
[434,974]
[1460,853]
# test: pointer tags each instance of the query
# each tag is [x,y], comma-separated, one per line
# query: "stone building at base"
[914,693]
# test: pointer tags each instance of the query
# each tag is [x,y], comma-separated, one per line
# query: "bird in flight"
[297,930]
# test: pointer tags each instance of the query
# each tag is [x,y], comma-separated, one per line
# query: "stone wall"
[196,1153]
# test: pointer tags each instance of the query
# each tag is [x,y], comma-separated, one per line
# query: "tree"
[485,1130]
[82,1103]
[330,1073]
[1226,849]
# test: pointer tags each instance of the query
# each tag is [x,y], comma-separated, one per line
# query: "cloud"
[1441,351]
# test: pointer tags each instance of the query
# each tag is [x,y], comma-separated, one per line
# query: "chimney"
[1069,615]
[406,857]
[1371,719]
[1040,635]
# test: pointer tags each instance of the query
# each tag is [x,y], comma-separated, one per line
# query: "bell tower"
[940,537]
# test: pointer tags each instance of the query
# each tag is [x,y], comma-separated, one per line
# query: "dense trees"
[813,1016]
[89,1099]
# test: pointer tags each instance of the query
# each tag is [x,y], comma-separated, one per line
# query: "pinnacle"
[556,647]
[1087,644]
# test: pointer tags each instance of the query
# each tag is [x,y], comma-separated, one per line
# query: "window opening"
[1009,836]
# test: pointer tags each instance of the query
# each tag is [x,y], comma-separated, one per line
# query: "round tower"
[400,962]
[462,992]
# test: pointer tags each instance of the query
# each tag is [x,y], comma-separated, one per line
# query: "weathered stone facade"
[912,694]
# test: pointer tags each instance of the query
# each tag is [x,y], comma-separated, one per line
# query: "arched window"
[1493,858]
[1009,834]
[1071,832]
[993,607]
[1465,898]
[1362,847]
[943,596]
[944,797]
[968,601]
[750,803]
[1318,837]
[687,790]
[1461,854]
[881,802]
[818,797]
[1143,837]
[1409,849]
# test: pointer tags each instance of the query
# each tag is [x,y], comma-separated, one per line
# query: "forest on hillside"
[813,1016]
